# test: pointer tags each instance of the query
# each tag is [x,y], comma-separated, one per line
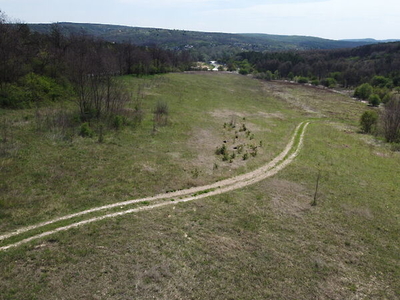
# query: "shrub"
[118,122]
[12,96]
[315,82]
[374,100]
[86,131]
[31,88]
[222,150]
[225,156]
[364,91]
[268,76]
[161,112]
[302,80]
[381,92]
[386,98]
[368,120]
[329,82]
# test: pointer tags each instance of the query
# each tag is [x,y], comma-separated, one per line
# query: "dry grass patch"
[364,212]
[289,198]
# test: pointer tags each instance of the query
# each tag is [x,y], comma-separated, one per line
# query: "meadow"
[265,241]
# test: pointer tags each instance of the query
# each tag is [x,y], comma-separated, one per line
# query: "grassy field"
[45,176]
[265,241]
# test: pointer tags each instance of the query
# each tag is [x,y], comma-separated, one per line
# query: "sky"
[332,19]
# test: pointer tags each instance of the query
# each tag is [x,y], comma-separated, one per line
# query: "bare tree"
[11,54]
[93,66]
[391,120]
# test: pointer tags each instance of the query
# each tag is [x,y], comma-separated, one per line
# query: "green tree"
[387,98]
[374,100]
[368,120]
[380,81]
[364,91]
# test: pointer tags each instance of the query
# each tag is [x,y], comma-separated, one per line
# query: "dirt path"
[278,163]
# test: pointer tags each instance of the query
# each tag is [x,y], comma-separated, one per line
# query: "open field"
[263,241]
[45,176]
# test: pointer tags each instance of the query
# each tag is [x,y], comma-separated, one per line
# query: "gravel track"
[223,186]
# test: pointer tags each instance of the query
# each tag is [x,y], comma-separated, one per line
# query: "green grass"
[265,241]
[48,177]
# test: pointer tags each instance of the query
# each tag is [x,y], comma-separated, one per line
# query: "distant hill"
[203,45]
[370,41]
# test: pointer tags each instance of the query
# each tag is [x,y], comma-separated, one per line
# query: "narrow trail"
[277,164]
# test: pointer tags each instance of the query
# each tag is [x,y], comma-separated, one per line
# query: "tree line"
[36,67]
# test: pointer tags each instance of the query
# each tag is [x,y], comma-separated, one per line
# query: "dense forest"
[348,67]
[39,67]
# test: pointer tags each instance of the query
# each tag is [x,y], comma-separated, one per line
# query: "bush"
[12,96]
[225,157]
[387,98]
[374,100]
[86,131]
[268,76]
[329,82]
[364,91]
[118,122]
[161,112]
[368,120]
[31,88]
[315,82]
[222,150]
[302,80]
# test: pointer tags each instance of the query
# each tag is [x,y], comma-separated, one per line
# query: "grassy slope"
[265,241]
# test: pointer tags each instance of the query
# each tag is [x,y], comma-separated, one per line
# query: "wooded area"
[347,67]
[38,67]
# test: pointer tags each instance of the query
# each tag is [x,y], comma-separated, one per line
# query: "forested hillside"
[348,67]
[202,45]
